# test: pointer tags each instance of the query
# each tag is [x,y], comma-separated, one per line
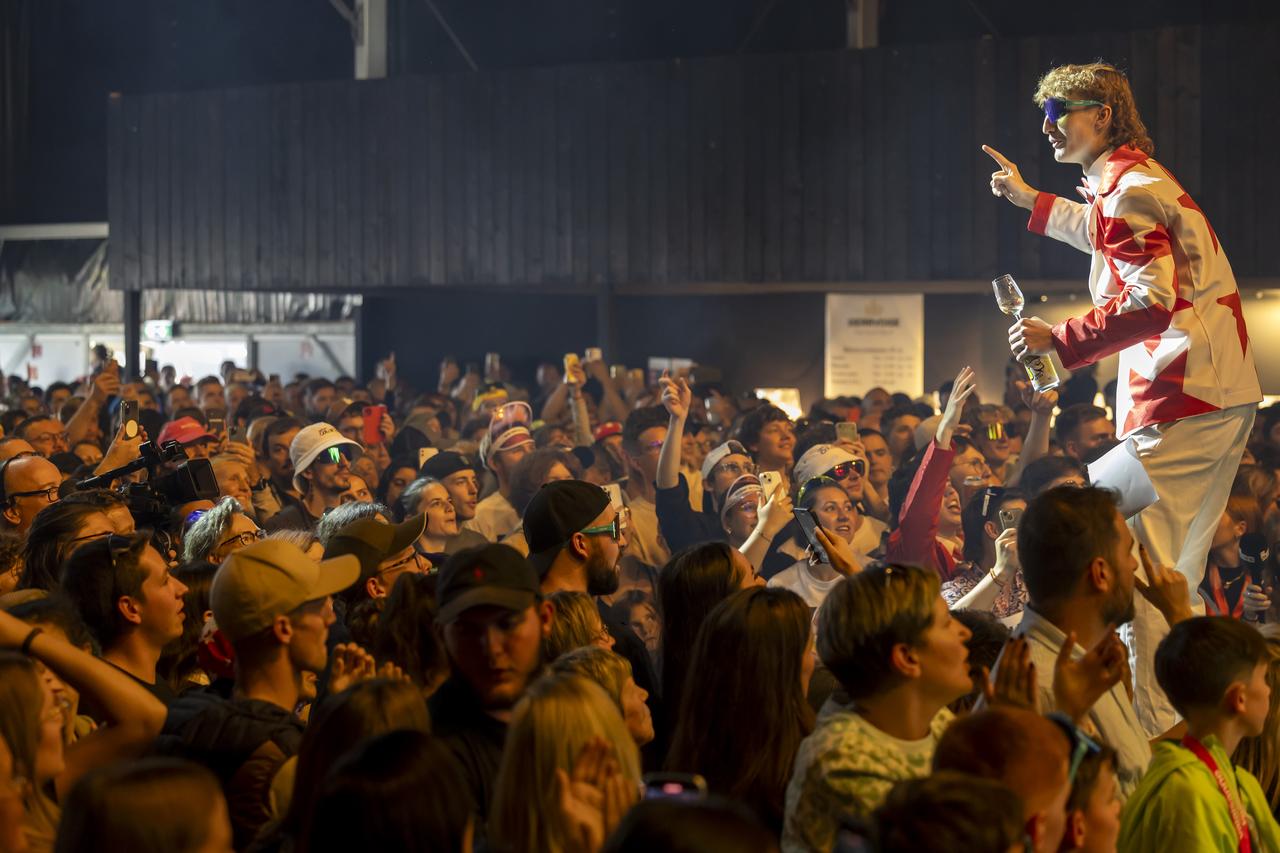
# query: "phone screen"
[809,524]
[679,786]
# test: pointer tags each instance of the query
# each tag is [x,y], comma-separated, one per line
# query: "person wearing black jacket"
[274,604]
[576,538]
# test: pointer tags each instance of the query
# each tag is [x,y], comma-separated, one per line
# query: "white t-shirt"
[867,537]
[495,518]
[799,578]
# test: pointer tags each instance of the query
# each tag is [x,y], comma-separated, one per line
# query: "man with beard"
[494,621]
[576,538]
[321,459]
[1078,565]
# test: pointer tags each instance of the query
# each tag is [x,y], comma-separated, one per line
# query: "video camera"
[152,503]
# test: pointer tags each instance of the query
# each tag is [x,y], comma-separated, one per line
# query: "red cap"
[184,431]
[607,429]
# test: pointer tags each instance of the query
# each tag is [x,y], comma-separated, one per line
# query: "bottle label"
[1040,371]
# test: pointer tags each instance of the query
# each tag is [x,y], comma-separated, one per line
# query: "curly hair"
[1100,81]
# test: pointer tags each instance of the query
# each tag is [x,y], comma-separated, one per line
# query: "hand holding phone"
[371,432]
[1009,519]
[847,431]
[809,525]
[769,482]
[129,418]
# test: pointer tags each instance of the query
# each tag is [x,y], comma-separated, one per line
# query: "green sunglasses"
[615,528]
[332,455]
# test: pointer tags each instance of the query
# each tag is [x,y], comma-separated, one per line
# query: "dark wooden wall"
[836,167]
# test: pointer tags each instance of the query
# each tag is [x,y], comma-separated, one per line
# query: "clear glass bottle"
[1039,368]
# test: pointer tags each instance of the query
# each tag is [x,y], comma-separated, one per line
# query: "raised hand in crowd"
[351,665]
[949,424]
[1080,682]
[593,798]
[387,371]
[676,397]
[1165,588]
[1014,682]
[104,386]
[242,452]
[612,406]
[774,516]
[450,373]
[1035,444]
[123,449]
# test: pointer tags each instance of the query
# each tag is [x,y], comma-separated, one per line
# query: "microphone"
[1253,551]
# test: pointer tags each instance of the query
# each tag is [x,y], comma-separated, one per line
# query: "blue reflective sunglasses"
[1055,109]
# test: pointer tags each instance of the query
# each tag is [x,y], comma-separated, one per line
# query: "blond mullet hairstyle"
[1100,81]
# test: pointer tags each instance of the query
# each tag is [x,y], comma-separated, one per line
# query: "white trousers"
[1191,463]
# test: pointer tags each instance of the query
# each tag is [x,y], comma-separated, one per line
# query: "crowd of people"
[609,612]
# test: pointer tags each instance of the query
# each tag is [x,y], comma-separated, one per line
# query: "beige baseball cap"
[273,578]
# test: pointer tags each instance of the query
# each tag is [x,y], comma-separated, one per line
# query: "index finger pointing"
[997,156]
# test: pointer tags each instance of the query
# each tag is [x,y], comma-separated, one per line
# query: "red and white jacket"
[1165,296]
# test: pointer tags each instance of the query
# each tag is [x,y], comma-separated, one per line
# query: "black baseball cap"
[446,463]
[493,575]
[559,510]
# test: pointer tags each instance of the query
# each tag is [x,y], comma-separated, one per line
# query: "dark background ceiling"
[80,50]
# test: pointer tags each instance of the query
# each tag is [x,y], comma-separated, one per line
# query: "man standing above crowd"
[1166,300]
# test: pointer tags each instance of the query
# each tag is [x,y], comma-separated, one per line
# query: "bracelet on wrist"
[996,580]
[26,643]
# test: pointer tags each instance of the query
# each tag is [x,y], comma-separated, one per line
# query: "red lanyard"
[1220,598]
[1237,811]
